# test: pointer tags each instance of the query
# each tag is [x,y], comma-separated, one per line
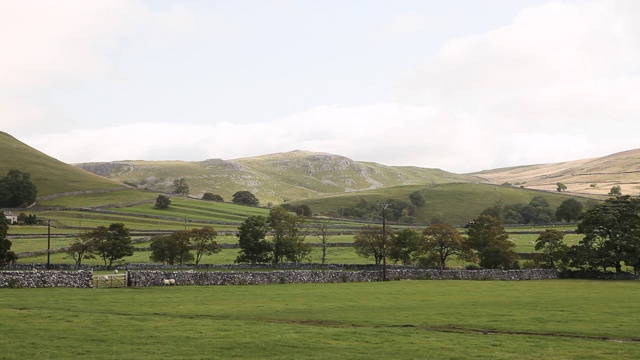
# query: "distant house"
[11,217]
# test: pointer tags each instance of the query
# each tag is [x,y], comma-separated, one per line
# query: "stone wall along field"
[191,277]
[38,279]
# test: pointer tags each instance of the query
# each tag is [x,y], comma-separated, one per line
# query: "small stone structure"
[38,279]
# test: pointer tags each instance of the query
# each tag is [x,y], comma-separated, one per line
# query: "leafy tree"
[162,202]
[553,250]
[30,219]
[16,189]
[254,248]
[203,242]
[495,210]
[512,214]
[561,187]
[180,186]
[324,233]
[369,242]
[82,248]
[569,210]
[444,241]
[212,197]
[612,235]
[113,243]
[537,211]
[417,198]
[165,249]
[182,240]
[404,245]
[615,191]
[304,210]
[288,242]
[245,198]
[487,236]
[6,255]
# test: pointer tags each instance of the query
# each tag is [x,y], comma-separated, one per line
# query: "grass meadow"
[549,319]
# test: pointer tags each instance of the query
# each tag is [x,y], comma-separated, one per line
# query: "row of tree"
[287,238]
[611,239]
[486,243]
[537,211]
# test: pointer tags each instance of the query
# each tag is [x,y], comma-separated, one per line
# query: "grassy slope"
[455,203]
[587,176]
[48,174]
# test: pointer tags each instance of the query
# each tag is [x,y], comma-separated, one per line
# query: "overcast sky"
[458,85]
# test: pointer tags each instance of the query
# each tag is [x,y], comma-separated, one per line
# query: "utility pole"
[384,241]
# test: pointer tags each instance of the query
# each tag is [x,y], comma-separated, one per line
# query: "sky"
[458,85]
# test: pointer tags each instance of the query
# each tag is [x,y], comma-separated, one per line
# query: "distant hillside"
[455,203]
[48,174]
[590,177]
[273,178]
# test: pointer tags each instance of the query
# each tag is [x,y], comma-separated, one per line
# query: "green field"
[552,319]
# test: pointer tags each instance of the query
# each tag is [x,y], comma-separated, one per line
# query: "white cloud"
[561,80]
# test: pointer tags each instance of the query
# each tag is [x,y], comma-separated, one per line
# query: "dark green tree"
[6,255]
[417,198]
[288,241]
[182,239]
[204,243]
[552,250]
[254,248]
[303,210]
[494,210]
[244,198]
[615,191]
[82,248]
[403,246]
[113,243]
[165,249]
[443,241]
[16,189]
[537,211]
[561,187]
[612,235]
[180,186]
[487,237]
[212,197]
[569,210]
[162,202]
[368,242]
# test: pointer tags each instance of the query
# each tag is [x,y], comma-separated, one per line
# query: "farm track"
[437,328]
[461,330]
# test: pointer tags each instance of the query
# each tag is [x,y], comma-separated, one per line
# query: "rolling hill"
[588,177]
[50,176]
[274,178]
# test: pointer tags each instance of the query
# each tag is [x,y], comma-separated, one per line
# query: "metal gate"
[110,281]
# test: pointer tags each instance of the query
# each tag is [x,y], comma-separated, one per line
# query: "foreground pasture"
[559,319]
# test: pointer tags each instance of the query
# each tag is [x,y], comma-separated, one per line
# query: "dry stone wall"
[191,277]
[38,279]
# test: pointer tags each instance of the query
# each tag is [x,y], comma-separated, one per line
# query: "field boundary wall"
[145,278]
[39,279]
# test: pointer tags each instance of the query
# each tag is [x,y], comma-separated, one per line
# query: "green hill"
[274,178]
[454,203]
[48,174]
